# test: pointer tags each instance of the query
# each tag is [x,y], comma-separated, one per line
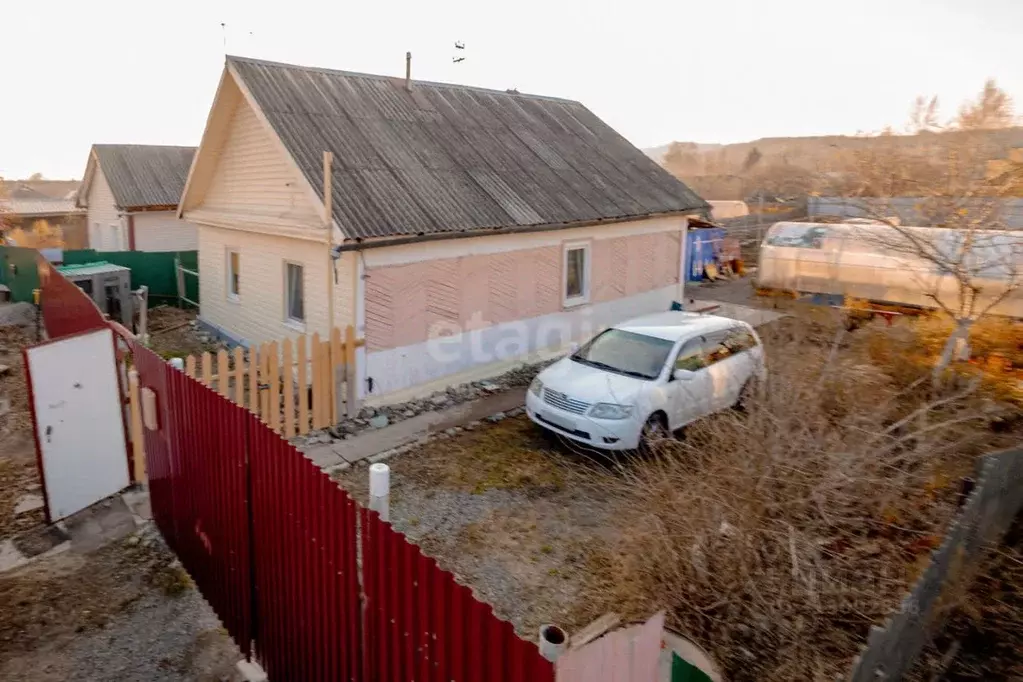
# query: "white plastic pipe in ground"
[553,642]
[380,489]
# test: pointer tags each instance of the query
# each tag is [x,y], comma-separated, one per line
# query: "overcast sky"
[145,71]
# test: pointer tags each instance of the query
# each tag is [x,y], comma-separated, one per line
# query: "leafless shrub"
[776,536]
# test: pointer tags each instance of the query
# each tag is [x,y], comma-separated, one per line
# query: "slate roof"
[142,175]
[448,158]
[41,207]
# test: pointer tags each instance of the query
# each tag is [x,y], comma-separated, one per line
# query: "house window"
[115,239]
[233,274]
[576,274]
[294,292]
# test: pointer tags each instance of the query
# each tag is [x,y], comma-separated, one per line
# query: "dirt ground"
[122,612]
[171,333]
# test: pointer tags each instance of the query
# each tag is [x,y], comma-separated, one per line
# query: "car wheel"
[654,431]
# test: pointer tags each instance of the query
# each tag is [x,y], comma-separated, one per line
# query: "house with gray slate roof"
[459,230]
[131,194]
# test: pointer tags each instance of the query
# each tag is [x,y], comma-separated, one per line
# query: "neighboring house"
[131,193]
[471,227]
[42,214]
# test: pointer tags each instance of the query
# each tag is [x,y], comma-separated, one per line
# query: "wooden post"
[254,380]
[223,374]
[351,376]
[180,280]
[274,397]
[190,366]
[207,369]
[328,223]
[288,388]
[239,376]
[138,453]
[303,388]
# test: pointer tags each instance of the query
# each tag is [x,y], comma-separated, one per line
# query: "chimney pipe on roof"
[408,71]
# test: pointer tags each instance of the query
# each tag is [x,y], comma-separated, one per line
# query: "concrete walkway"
[368,443]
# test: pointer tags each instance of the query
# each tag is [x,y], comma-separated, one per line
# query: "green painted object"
[684,671]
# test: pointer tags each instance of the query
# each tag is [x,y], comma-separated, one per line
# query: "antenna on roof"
[459,45]
[223,34]
[408,71]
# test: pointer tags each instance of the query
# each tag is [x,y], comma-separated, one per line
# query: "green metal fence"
[154,270]
[18,271]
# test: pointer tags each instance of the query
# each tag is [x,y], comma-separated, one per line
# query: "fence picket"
[254,380]
[303,391]
[239,376]
[223,374]
[274,397]
[207,369]
[317,406]
[264,380]
[336,362]
[288,389]
[351,382]
[190,366]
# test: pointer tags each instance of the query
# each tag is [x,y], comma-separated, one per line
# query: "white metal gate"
[79,423]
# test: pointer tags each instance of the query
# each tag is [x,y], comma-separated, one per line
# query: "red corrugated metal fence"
[307,584]
[421,625]
[66,308]
[199,488]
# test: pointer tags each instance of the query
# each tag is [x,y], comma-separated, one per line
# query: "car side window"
[691,356]
[715,347]
[739,339]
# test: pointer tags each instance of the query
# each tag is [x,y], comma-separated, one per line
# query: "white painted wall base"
[409,372]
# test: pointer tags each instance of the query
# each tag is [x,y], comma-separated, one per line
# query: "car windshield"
[635,355]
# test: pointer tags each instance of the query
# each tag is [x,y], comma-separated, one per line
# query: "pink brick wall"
[408,304]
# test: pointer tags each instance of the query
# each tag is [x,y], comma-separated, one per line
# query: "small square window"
[295,293]
[233,274]
[576,274]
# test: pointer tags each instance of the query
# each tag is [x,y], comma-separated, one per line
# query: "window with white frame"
[233,274]
[294,289]
[576,274]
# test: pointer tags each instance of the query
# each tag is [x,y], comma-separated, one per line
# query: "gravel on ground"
[124,612]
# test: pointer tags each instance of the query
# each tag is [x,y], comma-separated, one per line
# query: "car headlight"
[536,387]
[610,411]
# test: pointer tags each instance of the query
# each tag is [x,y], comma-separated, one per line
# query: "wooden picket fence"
[293,386]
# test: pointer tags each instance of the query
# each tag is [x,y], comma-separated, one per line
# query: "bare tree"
[923,116]
[992,109]
[946,234]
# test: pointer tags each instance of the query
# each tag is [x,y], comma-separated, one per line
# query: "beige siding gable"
[104,221]
[254,180]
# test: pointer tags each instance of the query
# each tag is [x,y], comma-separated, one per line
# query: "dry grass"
[776,537]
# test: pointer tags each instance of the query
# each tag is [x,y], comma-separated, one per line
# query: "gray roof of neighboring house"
[143,174]
[450,158]
[40,207]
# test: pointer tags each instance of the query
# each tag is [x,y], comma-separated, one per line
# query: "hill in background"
[785,166]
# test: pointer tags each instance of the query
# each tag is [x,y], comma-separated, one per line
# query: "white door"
[688,396]
[79,428]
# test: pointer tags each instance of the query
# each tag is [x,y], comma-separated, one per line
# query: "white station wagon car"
[645,378]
